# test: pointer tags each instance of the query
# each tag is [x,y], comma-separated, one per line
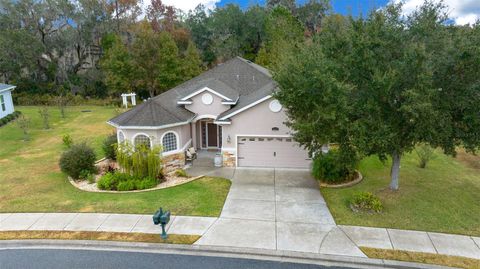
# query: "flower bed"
[356,179]
[111,180]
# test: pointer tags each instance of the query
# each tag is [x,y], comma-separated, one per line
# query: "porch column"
[194,134]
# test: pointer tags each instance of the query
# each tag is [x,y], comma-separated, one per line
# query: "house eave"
[245,107]
[8,89]
[206,89]
[149,127]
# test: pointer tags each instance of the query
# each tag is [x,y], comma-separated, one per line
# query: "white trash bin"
[218,160]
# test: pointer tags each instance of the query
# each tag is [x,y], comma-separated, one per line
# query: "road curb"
[231,252]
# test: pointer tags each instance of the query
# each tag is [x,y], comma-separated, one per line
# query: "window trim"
[137,134]
[118,136]
[177,138]
[3,103]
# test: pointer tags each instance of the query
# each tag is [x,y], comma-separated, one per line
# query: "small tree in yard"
[425,154]
[61,102]
[24,124]
[383,84]
[45,115]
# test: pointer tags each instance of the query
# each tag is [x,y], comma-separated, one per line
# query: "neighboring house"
[6,102]
[228,108]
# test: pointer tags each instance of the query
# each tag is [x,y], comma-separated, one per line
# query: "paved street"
[61,258]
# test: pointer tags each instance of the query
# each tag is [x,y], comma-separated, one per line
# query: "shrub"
[125,182]
[109,145]
[334,166]
[146,183]
[425,153]
[181,173]
[78,158]
[67,140]
[366,202]
[87,175]
[10,117]
[107,182]
[126,185]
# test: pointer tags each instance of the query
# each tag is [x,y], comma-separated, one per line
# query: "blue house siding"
[6,102]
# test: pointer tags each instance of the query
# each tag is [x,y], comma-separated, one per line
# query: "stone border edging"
[344,185]
[101,160]
[136,191]
[233,252]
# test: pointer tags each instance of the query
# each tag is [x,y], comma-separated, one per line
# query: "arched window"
[141,139]
[121,137]
[169,141]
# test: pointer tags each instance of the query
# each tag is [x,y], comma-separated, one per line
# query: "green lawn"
[444,197]
[31,180]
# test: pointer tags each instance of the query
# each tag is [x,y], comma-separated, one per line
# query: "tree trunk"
[395,170]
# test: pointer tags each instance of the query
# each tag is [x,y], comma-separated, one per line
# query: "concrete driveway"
[278,209]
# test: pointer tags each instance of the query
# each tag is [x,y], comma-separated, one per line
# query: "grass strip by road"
[409,256]
[101,236]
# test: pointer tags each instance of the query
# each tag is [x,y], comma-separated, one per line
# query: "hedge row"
[25,99]
[9,117]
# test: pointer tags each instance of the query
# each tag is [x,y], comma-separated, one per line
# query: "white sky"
[461,11]
[186,5]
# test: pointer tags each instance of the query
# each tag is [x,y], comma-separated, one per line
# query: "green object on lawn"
[162,218]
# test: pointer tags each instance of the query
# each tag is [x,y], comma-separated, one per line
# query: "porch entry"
[211,135]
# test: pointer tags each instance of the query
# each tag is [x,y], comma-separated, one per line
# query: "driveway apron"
[279,209]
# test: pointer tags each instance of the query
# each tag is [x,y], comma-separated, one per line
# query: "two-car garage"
[278,152]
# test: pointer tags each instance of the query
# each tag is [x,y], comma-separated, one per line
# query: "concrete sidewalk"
[339,239]
[102,222]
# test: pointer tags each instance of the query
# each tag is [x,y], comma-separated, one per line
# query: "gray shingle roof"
[235,79]
[5,87]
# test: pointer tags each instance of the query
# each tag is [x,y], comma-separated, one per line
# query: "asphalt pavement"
[67,258]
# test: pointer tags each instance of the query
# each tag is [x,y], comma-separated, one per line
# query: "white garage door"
[271,152]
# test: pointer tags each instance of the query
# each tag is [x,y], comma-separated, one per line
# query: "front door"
[212,137]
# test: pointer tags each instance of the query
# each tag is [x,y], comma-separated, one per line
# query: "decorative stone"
[228,159]
[173,162]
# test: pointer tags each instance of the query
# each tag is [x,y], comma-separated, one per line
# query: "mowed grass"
[408,256]
[31,180]
[101,236]
[444,197]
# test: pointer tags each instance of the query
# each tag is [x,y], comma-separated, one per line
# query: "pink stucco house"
[229,109]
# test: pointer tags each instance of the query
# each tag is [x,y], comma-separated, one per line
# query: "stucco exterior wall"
[183,133]
[215,108]
[258,120]
[9,109]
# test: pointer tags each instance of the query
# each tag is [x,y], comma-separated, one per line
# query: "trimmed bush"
[334,167]
[78,158]
[109,146]
[366,202]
